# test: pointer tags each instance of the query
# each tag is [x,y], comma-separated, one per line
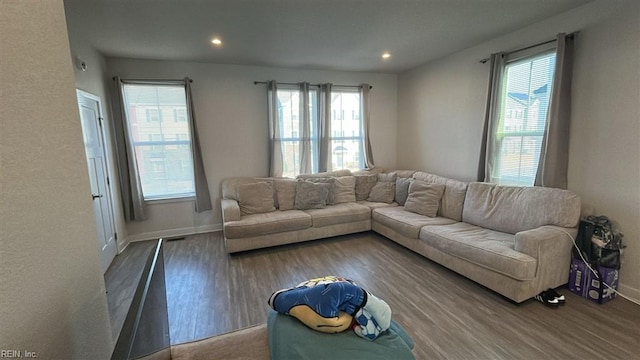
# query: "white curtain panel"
[275,144]
[305,127]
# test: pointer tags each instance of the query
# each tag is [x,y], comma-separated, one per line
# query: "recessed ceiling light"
[386,55]
[216,41]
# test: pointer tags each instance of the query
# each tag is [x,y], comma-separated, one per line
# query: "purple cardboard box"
[584,283]
[578,277]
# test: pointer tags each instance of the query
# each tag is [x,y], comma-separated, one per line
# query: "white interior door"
[91,117]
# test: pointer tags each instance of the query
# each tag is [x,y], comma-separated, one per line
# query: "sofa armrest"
[551,247]
[545,239]
[230,210]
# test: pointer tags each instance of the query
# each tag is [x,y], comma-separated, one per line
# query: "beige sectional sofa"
[513,240]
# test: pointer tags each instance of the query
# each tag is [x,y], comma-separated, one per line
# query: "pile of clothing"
[333,304]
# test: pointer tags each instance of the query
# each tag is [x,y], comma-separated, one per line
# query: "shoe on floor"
[547,298]
[554,293]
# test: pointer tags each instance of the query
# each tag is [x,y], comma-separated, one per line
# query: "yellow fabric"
[316,322]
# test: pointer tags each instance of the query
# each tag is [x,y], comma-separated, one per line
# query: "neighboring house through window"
[156,116]
[345,138]
[346,131]
[289,108]
[524,102]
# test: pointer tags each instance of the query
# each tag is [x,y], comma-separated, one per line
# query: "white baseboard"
[172,233]
[628,291]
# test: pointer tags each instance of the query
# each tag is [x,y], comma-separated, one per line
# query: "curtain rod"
[287,83]
[530,46]
[154,80]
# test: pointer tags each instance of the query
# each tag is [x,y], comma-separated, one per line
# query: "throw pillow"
[385,188]
[424,198]
[285,193]
[388,177]
[255,198]
[402,190]
[364,184]
[344,189]
[311,195]
[383,191]
[325,180]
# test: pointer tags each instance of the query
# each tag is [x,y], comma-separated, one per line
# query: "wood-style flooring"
[448,316]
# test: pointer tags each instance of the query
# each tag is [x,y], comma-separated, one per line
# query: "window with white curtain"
[290,128]
[156,117]
[346,138]
[524,101]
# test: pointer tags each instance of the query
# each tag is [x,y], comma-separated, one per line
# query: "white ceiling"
[313,34]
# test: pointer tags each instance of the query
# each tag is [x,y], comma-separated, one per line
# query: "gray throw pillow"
[255,198]
[311,195]
[402,190]
[285,193]
[325,180]
[364,184]
[424,198]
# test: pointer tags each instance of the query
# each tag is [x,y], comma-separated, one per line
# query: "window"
[345,138]
[290,128]
[524,101]
[162,148]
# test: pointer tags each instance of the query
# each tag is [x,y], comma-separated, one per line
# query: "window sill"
[170,200]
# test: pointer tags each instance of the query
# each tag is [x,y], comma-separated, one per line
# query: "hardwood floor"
[448,316]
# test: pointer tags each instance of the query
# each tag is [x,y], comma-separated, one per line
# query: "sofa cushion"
[490,249]
[285,193]
[406,222]
[452,202]
[374,205]
[267,223]
[339,214]
[230,186]
[334,173]
[310,195]
[424,198]
[255,198]
[344,189]
[364,184]
[402,189]
[512,209]
[404,173]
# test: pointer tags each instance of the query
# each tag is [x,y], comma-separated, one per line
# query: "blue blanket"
[291,339]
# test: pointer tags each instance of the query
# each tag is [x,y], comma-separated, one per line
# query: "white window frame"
[295,137]
[499,135]
[158,142]
[339,135]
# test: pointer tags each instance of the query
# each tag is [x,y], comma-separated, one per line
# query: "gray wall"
[52,290]
[441,107]
[231,113]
